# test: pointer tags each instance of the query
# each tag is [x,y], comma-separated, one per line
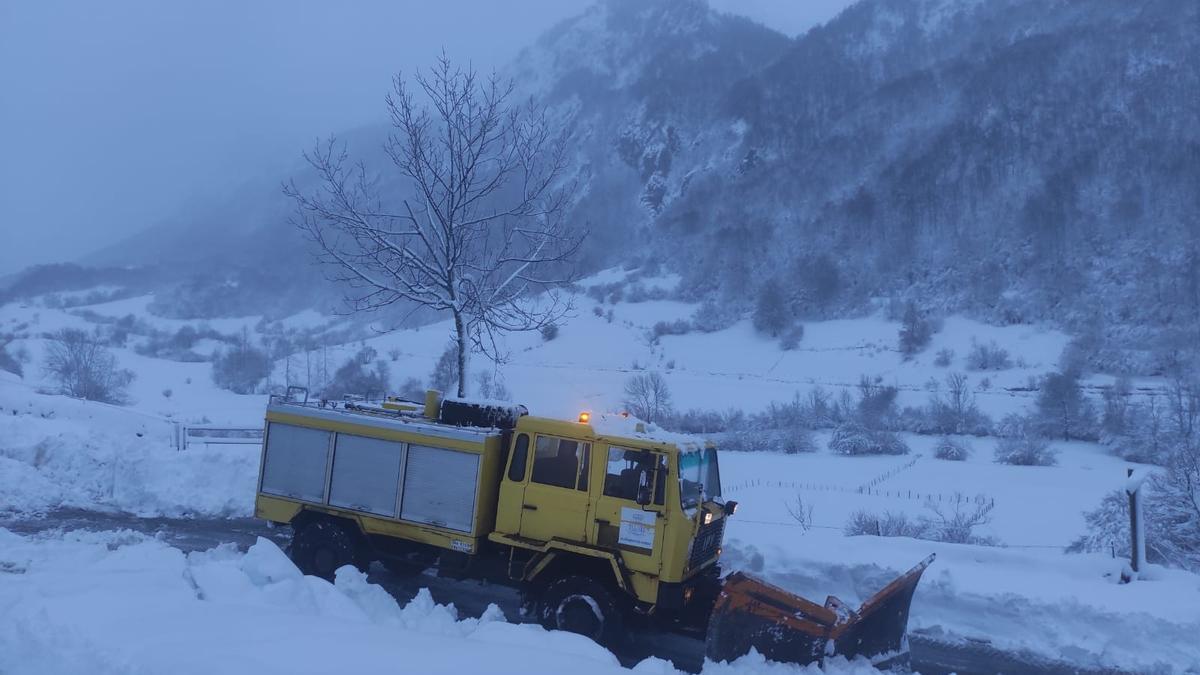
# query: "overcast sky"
[114,115]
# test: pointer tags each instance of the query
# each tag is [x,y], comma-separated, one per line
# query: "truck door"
[620,521]
[556,496]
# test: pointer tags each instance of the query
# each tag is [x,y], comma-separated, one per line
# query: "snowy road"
[930,656]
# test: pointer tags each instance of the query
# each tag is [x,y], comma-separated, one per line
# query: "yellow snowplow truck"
[606,525]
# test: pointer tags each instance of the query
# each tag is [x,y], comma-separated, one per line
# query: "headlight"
[707,517]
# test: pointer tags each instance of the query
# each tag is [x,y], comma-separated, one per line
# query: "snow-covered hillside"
[56,451]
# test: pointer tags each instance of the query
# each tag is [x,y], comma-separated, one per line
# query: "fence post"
[1137,532]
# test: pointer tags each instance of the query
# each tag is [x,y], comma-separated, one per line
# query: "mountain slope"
[1021,160]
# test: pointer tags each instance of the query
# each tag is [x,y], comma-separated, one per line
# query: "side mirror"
[730,507]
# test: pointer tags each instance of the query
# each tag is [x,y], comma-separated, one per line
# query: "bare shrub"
[890,524]
[955,523]
[647,396]
[549,332]
[801,512]
[85,368]
[491,386]
[954,526]
[990,356]
[955,411]
[944,358]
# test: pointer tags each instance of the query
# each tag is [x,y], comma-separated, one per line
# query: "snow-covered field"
[135,603]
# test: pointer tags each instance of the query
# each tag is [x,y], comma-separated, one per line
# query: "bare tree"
[801,512]
[475,229]
[647,396]
[85,368]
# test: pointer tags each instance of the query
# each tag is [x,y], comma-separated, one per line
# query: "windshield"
[699,477]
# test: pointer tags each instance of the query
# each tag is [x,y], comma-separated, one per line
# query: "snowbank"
[60,452]
[116,602]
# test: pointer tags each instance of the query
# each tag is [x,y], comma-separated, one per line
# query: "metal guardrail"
[187,435]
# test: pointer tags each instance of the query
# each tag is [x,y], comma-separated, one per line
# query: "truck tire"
[580,604]
[320,547]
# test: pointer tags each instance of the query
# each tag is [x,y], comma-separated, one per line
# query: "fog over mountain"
[1005,158]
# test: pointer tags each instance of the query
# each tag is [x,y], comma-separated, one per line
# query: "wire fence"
[907,494]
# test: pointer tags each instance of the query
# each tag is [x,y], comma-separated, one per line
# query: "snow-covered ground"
[1028,594]
[119,603]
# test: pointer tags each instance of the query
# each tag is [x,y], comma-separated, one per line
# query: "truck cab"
[618,488]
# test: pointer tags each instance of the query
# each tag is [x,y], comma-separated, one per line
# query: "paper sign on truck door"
[637,528]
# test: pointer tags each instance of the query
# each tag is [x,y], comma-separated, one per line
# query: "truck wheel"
[320,547]
[582,605]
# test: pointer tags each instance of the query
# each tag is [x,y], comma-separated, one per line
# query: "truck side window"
[556,462]
[516,469]
[630,470]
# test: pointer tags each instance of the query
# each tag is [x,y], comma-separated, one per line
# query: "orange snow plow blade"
[784,627]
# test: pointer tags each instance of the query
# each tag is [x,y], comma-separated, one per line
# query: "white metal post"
[1137,530]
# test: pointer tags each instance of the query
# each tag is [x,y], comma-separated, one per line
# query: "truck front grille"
[708,541]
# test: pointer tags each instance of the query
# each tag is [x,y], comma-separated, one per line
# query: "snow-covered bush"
[771,312]
[1172,515]
[951,449]
[241,368]
[990,356]
[490,386]
[792,336]
[1062,410]
[359,376]
[876,408]
[549,332]
[713,315]
[444,377]
[677,327]
[916,330]
[411,390]
[855,439]
[746,440]
[697,421]
[944,358]
[8,361]
[85,368]
[954,410]
[1020,444]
